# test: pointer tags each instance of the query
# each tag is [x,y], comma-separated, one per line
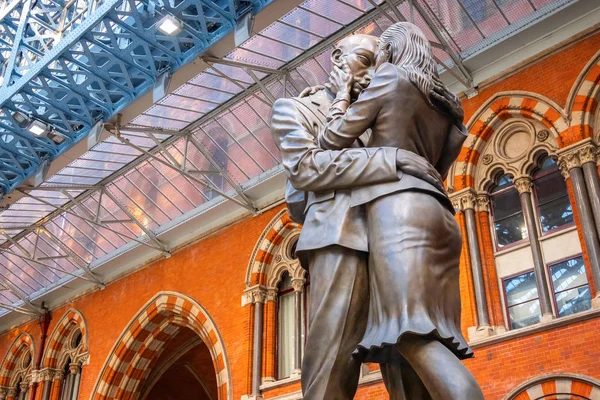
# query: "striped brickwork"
[21,344]
[561,387]
[144,339]
[58,340]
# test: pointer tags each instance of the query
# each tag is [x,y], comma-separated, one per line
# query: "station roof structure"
[159,172]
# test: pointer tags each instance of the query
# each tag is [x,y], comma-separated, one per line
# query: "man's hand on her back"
[447,101]
[417,166]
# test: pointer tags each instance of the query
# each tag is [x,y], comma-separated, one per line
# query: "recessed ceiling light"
[170,25]
[38,128]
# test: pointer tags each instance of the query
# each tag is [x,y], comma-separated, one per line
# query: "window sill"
[513,247]
[558,232]
[294,378]
[530,330]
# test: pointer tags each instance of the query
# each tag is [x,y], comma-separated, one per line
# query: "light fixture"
[22,119]
[161,86]
[38,128]
[243,29]
[170,25]
[94,134]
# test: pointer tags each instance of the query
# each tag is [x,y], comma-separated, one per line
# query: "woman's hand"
[447,100]
[340,80]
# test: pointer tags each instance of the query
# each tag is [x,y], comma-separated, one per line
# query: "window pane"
[568,274]
[525,314]
[506,204]
[510,230]
[285,342]
[574,301]
[521,288]
[554,205]
[571,287]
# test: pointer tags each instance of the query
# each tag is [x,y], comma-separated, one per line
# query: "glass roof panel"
[235,142]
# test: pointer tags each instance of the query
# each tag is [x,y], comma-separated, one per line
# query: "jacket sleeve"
[346,124]
[310,168]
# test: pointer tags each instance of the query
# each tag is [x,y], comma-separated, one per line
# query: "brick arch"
[549,386]
[23,342]
[583,99]
[264,251]
[492,114]
[141,343]
[71,321]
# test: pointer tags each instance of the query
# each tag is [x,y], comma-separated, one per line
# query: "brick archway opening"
[139,350]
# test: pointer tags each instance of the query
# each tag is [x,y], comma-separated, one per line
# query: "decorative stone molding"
[298,284]
[483,202]
[487,159]
[542,135]
[523,184]
[254,294]
[24,386]
[12,392]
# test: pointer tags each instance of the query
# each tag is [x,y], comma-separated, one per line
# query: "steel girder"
[72,63]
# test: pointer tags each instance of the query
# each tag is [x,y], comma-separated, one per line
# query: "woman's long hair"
[411,51]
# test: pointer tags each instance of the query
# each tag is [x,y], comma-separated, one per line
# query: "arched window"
[23,375]
[554,208]
[509,225]
[72,366]
[522,301]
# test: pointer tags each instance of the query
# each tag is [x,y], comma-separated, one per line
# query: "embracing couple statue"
[365,156]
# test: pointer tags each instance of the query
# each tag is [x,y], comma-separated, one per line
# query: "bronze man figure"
[414,241]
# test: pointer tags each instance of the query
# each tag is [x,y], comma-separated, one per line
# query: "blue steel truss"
[70,63]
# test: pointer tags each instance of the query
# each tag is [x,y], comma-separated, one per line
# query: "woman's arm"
[346,122]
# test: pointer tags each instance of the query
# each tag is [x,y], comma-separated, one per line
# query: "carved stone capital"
[483,202]
[254,294]
[523,184]
[588,153]
[271,294]
[298,284]
[58,375]
[11,392]
[24,386]
[45,375]
[74,369]
[464,199]
[576,155]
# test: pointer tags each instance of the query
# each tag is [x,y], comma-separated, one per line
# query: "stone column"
[57,384]
[256,295]
[490,273]
[75,370]
[269,335]
[465,201]
[11,393]
[298,285]
[570,163]
[524,185]
[588,156]
[24,390]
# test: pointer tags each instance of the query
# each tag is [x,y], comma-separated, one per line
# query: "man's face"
[358,51]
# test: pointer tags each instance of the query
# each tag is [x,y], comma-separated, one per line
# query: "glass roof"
[209,137]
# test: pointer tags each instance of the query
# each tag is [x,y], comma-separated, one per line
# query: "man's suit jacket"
[329,219]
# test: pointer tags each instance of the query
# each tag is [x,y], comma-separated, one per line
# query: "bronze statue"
[325,193]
